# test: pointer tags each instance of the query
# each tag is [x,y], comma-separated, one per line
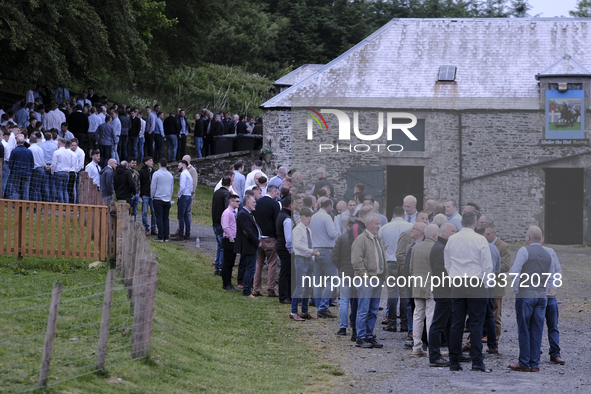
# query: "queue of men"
[88,124]
[433,251]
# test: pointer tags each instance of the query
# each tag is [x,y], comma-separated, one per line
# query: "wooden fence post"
[50,334]
[105,320]
[152,280]
[123,224]
[139,315]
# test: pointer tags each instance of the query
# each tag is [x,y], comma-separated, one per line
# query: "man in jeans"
[184,202]
[324,239]
[146,173]
[530,298]
[161,190]
[368,257]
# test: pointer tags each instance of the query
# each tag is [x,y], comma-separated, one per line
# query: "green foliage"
[583,9]
[192,88]
[57,41]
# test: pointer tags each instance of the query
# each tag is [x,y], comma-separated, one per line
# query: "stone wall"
[211,168]
[491,141]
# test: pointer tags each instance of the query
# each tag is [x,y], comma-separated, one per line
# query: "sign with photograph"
[565,114]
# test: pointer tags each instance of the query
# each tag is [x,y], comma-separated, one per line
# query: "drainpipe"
[461,169]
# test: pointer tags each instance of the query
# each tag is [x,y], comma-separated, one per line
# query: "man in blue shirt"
[21,166]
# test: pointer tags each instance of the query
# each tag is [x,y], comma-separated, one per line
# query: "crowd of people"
[314,238]
[87,126]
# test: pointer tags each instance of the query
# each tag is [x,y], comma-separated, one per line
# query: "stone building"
[496,112]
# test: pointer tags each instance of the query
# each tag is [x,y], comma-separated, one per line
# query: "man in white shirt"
[184,203]
[94,169]
[83,100]
[390,234]
[78,165]
[256,168]
[116,124]
[38,175]
[141,137]
[409,204]
[468,254]
[60,169]
[31,95]
[5,168]
[94,121]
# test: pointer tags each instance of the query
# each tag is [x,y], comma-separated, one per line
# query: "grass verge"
[204,339]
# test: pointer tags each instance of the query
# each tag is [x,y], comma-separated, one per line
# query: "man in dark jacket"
[171,132]
[442,295]
[248,238]
[266,216]
[78,125]
[124,184]
[182,125]
[341,258]
[218,204]
[107,186]
[134,133]
[215,128]
[146,173]
[198,135]
[283,226]
[124,137]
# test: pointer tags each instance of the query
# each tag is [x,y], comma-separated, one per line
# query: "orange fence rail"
[43,229]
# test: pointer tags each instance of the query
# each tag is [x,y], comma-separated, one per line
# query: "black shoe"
[217,273]
[409,343]
[333,302]
[439,363]
[286,301]
[455,368]
[231,288]
[354,336]
[325,314]
[375,343]
[311,303]
[481,368]
[364,343]
[342,331]
[403,328]
[465,359]
[391,327]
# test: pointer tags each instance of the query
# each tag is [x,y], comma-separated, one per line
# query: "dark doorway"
[400,182]
[564,206]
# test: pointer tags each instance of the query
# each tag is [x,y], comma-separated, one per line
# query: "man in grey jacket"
[161,190]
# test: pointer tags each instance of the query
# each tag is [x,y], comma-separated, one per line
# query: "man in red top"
[229,235]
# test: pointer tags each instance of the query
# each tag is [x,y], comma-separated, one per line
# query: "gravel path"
[393,370]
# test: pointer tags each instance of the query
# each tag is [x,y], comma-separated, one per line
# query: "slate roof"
[298,75]
[495,58]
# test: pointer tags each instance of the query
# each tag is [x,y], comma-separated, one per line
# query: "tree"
[583,9]
[61,41]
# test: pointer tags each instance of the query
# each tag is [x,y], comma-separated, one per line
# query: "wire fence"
[49,338]
[79,327]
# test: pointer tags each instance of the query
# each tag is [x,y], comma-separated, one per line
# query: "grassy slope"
[204,339]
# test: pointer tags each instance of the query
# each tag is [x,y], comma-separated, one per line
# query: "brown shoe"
[466,329]
[535,369]
[557,360]
[240,287]
[492,351]
[175,234]
[154,232]
[147,232]
[271,293]
[296,317]
[326,313]
[257,294]
[307,316]
[518,367]
[386,320]
[176,238]
[249,296]
[465,348]
[484,339]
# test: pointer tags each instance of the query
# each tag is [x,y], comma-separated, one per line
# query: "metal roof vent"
[447,73]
